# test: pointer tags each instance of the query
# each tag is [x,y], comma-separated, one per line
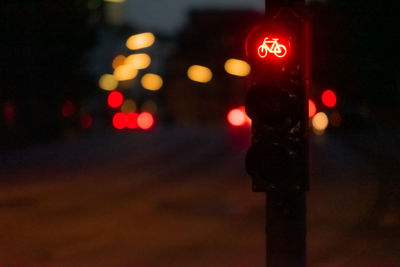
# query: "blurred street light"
[118,61]
[152,82]
[320,121]
[145,120]
[199,74]
[125,72]
[141,40]
[115,99]
[138,61]
[312,108]
[115,1]
[108,82]
[329,98]
[149,106]
[237,67]
[128,106]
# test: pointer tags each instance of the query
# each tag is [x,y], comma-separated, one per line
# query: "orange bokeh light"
[145,120]
[312,108]
[237,117]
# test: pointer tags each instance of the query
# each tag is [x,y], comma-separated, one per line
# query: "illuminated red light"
[115,99]
[271,46]
[119,120]
[67,109]
[312,108]
[132,120]
[145,120]
[329,98]
[237,117]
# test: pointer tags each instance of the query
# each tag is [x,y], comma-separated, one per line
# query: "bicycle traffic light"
[277,106]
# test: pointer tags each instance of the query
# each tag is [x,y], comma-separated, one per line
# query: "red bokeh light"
[115,99]
[312,108]
[67,109]
[237,117]
[119,120]
[86,120]
[145,120]
[9,111]
[132,120]
[248,120]
[329,98]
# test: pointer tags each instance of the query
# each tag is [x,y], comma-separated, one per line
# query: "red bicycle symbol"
[272,47]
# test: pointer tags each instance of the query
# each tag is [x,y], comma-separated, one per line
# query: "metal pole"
[285,211]
[286,229]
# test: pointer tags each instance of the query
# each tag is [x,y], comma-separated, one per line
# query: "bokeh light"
[128,106]
[320,121]
[329,98]
[149,106]
[138,61]
[335,119]
[312,108]
[131,120]
[141,40]
[86,120]
[237,117]
[125,72]
[9,112]
[118,61]
[108,82]
[145,120]
[119,120]
[67,109]
[115,99]
[199,74]
[237,67]
[248,120]
[152,82]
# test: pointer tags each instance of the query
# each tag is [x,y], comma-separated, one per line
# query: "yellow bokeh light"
[199,74]
[118,61]
[115,1]
[141,40]
[138,61]
[128,106]
[149,106]
[320,121]
[108,82]
[151,82]
[125,72]
[237,67]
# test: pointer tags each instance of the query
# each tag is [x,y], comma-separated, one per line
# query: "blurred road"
[180,197]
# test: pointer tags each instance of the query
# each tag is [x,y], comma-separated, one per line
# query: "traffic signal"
[277,104]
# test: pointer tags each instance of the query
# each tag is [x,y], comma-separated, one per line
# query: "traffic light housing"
[277,105]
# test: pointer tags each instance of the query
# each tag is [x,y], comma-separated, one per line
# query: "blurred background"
[123,134]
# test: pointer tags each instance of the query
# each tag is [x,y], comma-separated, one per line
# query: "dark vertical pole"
[286,229]
[286,211]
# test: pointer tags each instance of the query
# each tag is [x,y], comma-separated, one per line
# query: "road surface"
[181,197]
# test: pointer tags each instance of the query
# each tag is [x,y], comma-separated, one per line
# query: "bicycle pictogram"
[271,46]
